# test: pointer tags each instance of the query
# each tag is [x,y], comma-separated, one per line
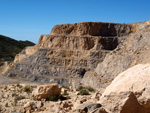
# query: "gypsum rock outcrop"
[68,52]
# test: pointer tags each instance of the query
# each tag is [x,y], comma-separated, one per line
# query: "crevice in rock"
[108,43]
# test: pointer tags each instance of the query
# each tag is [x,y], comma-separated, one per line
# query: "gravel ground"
[5,81]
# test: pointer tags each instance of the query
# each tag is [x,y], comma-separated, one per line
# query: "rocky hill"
[87,53]
[10,47]
[78,57]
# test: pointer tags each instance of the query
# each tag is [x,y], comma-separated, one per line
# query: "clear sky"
[28,19]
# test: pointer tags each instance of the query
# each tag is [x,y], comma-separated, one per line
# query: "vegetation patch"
[65,93]
[84,92]
[53,98]
[66,87]
[27,88]
[10,47]
[90,89]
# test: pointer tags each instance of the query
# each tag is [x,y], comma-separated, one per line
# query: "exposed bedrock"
[94,29]
[132,49]
[71,51]
[77,42]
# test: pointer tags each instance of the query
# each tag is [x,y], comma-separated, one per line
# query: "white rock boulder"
[129,92]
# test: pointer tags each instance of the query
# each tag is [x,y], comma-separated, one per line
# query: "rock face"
[132,50]
[91,79]
[93,29]
[46,91]
[69,51]
[129,91]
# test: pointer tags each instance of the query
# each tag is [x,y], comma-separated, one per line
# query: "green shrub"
[34,86]
[80,88]
[27,88]
[83,92]
[18,85]
[90,89]
[65,93]
[53,98]
[10,47]
[66,87]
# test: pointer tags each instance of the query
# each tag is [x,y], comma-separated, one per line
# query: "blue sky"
[28,19]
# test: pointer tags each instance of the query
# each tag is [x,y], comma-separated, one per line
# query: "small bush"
[65,93]
[83,92]
[27,88]
[90,89]
[80,88]
[18,85]
[53,98]
[34,86]
[66,87]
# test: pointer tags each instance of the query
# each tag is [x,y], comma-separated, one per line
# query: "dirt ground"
[5,81]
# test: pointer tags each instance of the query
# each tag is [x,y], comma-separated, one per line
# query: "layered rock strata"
[68,52]
[133,50]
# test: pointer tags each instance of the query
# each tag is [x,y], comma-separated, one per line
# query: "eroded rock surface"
[68,52]
[129,91]
[134,49]
[94,29]
[46,91]
[85,53]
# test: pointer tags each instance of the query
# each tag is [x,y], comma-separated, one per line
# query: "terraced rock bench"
[68,52]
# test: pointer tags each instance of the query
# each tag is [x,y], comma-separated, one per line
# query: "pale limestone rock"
[68,52]
[129,91]
[29,104]
[93,29]
[64,91]
[99,110]
[46,91]
[25,53]
[91,79]
[133,49]
[96,95]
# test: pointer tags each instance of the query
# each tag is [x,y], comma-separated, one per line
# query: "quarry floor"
[6,80]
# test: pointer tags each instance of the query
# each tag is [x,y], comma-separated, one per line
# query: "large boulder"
[129,92]
[46,91]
